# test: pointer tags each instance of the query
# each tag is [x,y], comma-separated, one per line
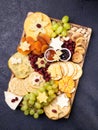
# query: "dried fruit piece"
[36,46]
[77,57]
[44,48]
[45,37]
[80,42]
[42,40]
[80,49]
[66,84]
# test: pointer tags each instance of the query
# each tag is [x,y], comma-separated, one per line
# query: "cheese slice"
[10,100]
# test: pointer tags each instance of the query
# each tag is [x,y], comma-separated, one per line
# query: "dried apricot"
[45,37]
[30,40]
[23,39]
[44,48]
[36,46]
[36,52]
[66,84]
[42,40]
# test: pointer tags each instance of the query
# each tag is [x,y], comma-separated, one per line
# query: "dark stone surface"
[84,115]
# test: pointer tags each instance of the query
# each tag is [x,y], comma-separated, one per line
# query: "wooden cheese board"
[80,37]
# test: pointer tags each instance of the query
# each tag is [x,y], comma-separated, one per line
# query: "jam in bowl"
[49,54]
[66,54]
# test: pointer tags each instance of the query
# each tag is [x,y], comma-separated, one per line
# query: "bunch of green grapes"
[31,104]
[61,27]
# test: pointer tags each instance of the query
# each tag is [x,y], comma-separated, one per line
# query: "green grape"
[47,83]
[36,115]
[32,112]
[54,86]
[26,97]
[32,97]
[53,96]
[26,112]
[35,93]
[64,33]
[65,19]
[49,87]
[45,103]
[24,102]
[67,26]
[51,82]
[37,105]
[50,98]
[31,102]
[42,89]
[51,92]
[59,30]
[53,35]
[24,107]
[55,26]
[56,90]
[40,111]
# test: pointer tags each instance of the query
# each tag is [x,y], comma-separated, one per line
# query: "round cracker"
[31,78]
[64,68]
[33,18]
[55,71]
[75,70]
[20,70]
[70,68]
[17,86]
[28,87]
[59,111]
[78,72]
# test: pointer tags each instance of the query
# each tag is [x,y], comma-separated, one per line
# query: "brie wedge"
[12,100]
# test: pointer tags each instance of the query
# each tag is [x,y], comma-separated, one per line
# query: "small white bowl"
[45,54]
[68,51]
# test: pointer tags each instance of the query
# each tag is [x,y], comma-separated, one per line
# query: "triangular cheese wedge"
[12,100]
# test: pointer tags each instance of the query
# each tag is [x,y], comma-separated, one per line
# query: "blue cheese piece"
[12,100]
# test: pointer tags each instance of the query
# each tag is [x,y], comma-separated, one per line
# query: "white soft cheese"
[15,60]
[8,99]
[56,43]
[62,101]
